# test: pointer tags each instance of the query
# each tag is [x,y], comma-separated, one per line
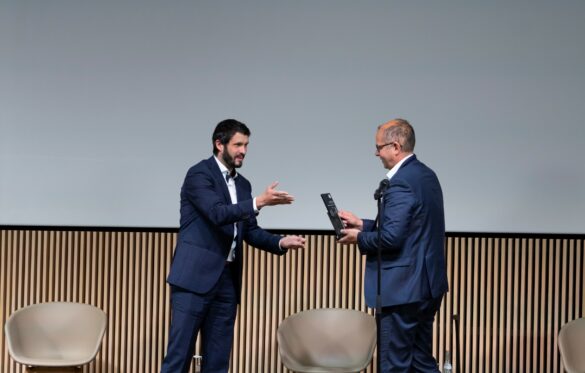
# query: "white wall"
[104,105]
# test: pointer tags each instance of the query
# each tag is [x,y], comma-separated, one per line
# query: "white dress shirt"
[394,169]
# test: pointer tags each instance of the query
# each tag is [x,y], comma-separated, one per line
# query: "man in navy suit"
[412,234]
[218,213]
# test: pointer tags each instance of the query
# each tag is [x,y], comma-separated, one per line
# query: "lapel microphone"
[384,184]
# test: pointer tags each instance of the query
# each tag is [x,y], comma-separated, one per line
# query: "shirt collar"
[394,169]
[224,170]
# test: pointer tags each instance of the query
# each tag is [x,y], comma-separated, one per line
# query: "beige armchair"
[572,346]
[49,335]
[327,340]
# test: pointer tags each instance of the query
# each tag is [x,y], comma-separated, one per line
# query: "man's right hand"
[272,197]
[350,220]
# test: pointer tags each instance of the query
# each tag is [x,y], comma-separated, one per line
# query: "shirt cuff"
[256,210]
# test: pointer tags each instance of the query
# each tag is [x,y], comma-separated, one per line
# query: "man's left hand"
[349,236]
[292,242]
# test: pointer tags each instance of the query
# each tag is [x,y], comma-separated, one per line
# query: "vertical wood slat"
[511,295]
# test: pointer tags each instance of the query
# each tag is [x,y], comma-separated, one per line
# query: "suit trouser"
[214,314]
[406,343]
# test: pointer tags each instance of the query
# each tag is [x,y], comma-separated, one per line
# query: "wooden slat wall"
[511,294]
[120,272]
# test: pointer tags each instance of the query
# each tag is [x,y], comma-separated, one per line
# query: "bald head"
[400,131]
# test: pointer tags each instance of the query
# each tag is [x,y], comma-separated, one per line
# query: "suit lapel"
[218,176]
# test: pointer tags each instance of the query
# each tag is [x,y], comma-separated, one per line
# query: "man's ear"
[219,146]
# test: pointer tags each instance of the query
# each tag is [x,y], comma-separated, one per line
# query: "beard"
[230,161]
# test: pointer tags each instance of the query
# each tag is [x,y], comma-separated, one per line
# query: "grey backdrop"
[104,105]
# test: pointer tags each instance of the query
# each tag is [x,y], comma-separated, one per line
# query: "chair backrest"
[572,346]
[327,340]
[55,334]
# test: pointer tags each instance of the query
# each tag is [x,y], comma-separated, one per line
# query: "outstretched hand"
[292,242]
[272,197]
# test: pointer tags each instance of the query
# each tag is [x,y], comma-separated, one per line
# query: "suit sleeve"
[399,205]
[258,237]
[205,194]
[368,225]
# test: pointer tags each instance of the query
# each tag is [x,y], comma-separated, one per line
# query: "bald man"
[412,236]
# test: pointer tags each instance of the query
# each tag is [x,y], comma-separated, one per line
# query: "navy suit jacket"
[207,229]
[412,239]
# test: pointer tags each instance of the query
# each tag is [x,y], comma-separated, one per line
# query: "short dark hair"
[226,129]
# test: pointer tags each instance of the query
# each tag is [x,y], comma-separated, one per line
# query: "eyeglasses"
[380,147]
